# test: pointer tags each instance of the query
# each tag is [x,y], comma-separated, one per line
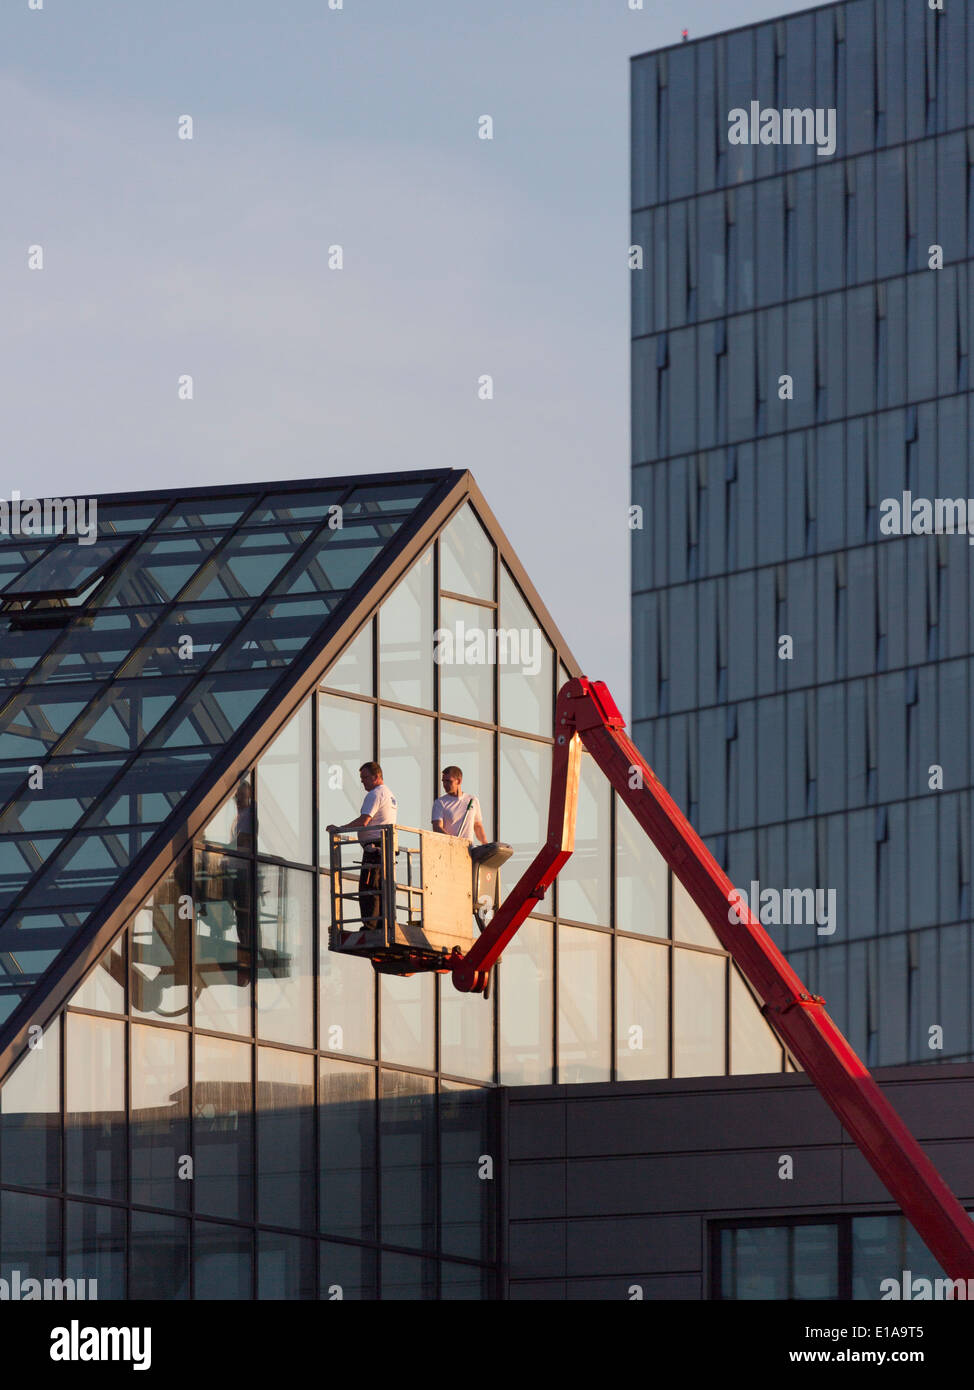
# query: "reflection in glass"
[584,887]
[406,638]
[466,1033]
[285,945]
[223,1260]
[347,1117]
[30,1122]
[352,672]
[584,1018]
[94,1141]
[466,660]
[641,879]
[466,557]
[346,1272]
[406,744]
[233,825]
[754,1047]
[407,1013]
[466,1200]
[223,901]
[346,740]
[285,1266]
[347,998]
[526,993]
[642,1010]
[30,1236]
[159,952]
[222,1128]
[94,1247]
[285,1138]
[815,1261]
[103,988]
[159,1267]
[159,1130]
[407,1146]
[472,750]
[284,792]
[525,778]
[698,1014]
[526,684]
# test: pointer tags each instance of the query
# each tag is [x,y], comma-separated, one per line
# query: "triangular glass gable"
[128,665]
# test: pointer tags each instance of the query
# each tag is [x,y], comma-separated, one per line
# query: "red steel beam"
[587,712]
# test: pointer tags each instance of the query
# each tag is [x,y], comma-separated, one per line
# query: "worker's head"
[452,780]
[370,775]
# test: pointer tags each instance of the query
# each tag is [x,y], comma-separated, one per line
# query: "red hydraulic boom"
[586,714]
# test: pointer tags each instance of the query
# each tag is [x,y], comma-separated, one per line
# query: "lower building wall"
[612,1191]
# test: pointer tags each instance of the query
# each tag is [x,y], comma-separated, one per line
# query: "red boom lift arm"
[586,714]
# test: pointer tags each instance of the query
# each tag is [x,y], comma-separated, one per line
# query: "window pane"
[526,683]
[525,774]
[284,792]
[407,1278]
[689,923]
[223,1125]
[223,901]
[223,1262]
[347,1119]
[30,1236]
[815,1261]
[346,1271]
[95,1249]
[754,1047]
[466,1200]
[698,1014]
[466,1033]
[407,1145]
[584,1019]
[641,879]
[233,825]
[285,1138]
[285,1266]
[466,557]
[472,750]
[347,1000]
[406,755]
[754,1263]
[159,954]
[103,988]
[406,638]
[160,1257]
[353,669]
[30,1122]
[160,1118]
[526,989]
[95,1106]
[466,660]
[345,741]
[584,889]
[406,1010]
[285,986]
[642,1010]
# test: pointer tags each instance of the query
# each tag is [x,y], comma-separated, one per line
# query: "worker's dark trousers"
[369,883]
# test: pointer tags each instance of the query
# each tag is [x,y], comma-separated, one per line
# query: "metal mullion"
[466,598]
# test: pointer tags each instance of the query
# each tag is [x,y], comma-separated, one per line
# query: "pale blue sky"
[462,256]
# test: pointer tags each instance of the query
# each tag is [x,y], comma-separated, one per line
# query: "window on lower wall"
[865,1258]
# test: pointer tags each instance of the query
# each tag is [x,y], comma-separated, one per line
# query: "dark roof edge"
[738,29]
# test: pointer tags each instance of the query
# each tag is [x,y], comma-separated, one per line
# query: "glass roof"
[129,664]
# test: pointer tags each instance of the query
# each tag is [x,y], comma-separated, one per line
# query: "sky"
[462,257]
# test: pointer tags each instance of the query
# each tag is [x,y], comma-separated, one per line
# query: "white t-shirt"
[451,811]
[383,807]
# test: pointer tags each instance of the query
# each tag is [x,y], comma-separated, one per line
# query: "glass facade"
[227,1108]
[800,353]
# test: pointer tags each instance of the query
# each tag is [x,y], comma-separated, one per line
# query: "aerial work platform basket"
[411,899]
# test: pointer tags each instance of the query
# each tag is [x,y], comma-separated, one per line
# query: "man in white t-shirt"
[379,808]
[456,814]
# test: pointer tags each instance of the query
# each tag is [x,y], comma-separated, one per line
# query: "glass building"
[801,323]
[198,1099]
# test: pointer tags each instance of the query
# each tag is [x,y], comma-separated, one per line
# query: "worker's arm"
[437,826]
[355,824]
[478,830]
